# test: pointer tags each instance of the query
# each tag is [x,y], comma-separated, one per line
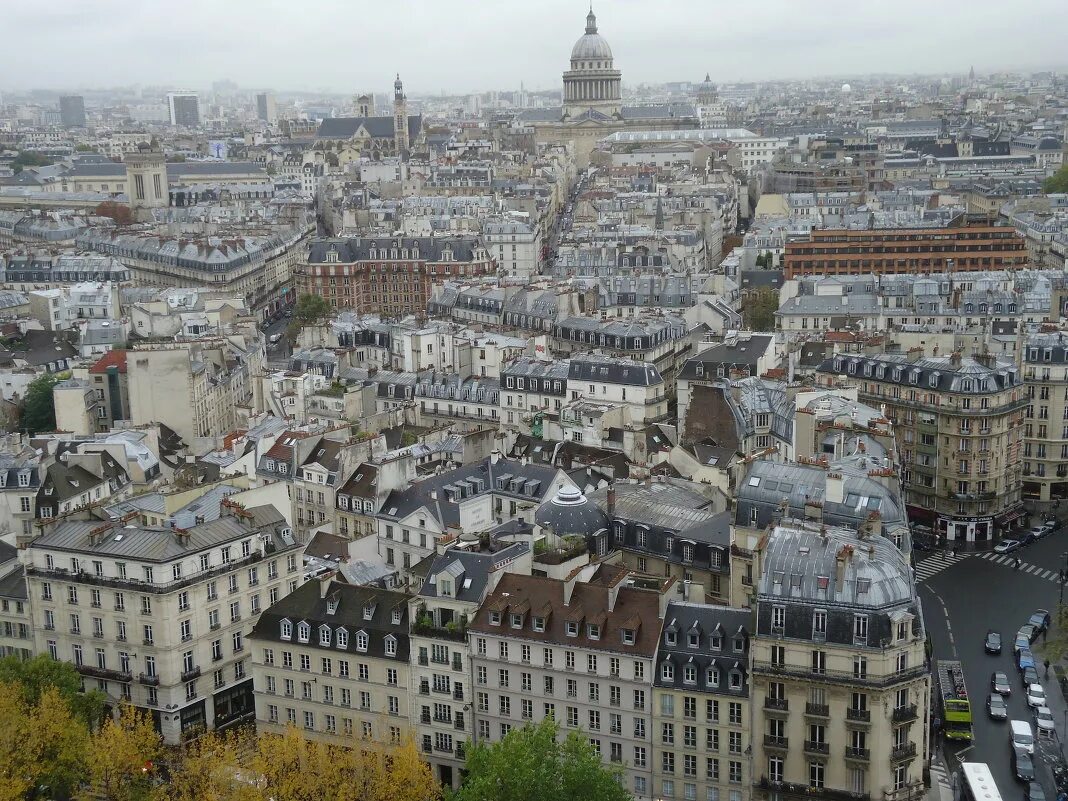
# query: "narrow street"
[963,598]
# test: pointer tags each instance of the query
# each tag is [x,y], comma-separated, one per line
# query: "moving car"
[275,338]
[1040,619]
[1034,792]
[1022,766]
[996,708]
[1044,719]
[1006,546]
[992,644]
[999,683]
[1036,696]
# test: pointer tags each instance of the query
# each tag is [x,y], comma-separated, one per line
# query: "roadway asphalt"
[280,351]
[975,593]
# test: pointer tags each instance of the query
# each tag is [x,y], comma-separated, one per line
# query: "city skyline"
[735,44]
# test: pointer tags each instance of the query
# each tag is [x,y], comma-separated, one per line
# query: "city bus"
[953,705]
[974,782]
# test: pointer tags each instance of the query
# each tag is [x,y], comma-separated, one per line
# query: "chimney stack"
[610,500]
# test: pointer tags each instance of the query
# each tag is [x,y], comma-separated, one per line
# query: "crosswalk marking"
[1025,567]
[933,565]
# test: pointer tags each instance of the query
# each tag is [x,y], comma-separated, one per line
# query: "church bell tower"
[400,119]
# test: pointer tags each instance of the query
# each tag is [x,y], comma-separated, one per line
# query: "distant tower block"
[365,106]
[146,180]
[400,118]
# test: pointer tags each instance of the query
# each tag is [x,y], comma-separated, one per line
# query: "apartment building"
[458,580]
[332,659]
[701,721]
[960,431]
[839,677]
[472,499]
[532,390]
[197,387]
[16,623]
[515,247]
[388,276]
[360,496]
[1045,449]
[158,616]
[878,251]
[581,651]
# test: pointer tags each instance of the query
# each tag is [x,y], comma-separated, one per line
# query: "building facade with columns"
[593,102]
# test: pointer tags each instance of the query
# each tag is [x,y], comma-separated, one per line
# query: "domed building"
[570,513]
[592,82]
[593,102]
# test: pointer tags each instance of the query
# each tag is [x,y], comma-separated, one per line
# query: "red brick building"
[388,276]
[905,250]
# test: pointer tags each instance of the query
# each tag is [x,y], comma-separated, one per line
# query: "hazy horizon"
[348,48]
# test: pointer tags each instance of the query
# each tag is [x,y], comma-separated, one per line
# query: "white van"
[1021,736]
[275,338]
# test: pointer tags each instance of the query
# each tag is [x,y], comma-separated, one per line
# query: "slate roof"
[353,249]
[704,637]
[934,372]
[376,127]
[510,478]
[742,353]
[470,569]
[340,605]
[612,370]
[157,544]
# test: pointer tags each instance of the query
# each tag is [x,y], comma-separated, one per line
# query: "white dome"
[591,45]
[846,87]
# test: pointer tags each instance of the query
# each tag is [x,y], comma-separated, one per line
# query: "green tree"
[311,309]
[1057,183]
[27,158]
[1055,646]
[758,310]
[35,676]
[38,407]
[531,763]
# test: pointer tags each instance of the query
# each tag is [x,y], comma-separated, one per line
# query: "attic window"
[286,632]
[593,630]
[539,624]
[822,582]
[395,618]
[332,605]
[739,644]
[863,585]
[754,481]
[516,621]
[693,639]
[303,632]
[717,642]
[368,612]
[324,635]
[671,638]
[628,636]
[495,618]
[572,628]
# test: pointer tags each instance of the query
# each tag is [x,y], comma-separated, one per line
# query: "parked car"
[1040,619]
[1044,719]
[1032,535]
[1034,792]
[992,644]
[1024,657]
[1006,546]
[1028,631]
[1019,645]
[1030,676]
[999,683]
[1036,696]
[1022,766]
[996,707]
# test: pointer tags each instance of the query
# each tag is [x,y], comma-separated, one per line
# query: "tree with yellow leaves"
[122,758]
[17,769]
[400,774]
[59,743]
[209,769]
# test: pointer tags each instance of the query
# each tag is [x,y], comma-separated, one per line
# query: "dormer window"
[395,617]
[495,618]
[572,628]
[303,632]
[286,632]
[539,624]
[270,464]
[368,612]
[689,674]
[391,645]
[736,680]
[671,638]
[712,677]
[324,636]
[667,672]
[593,631]
[445,588]
[342,638]
[516,621]
[361,640]
[628,636]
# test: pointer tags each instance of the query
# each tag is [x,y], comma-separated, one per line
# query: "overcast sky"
[495,44]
